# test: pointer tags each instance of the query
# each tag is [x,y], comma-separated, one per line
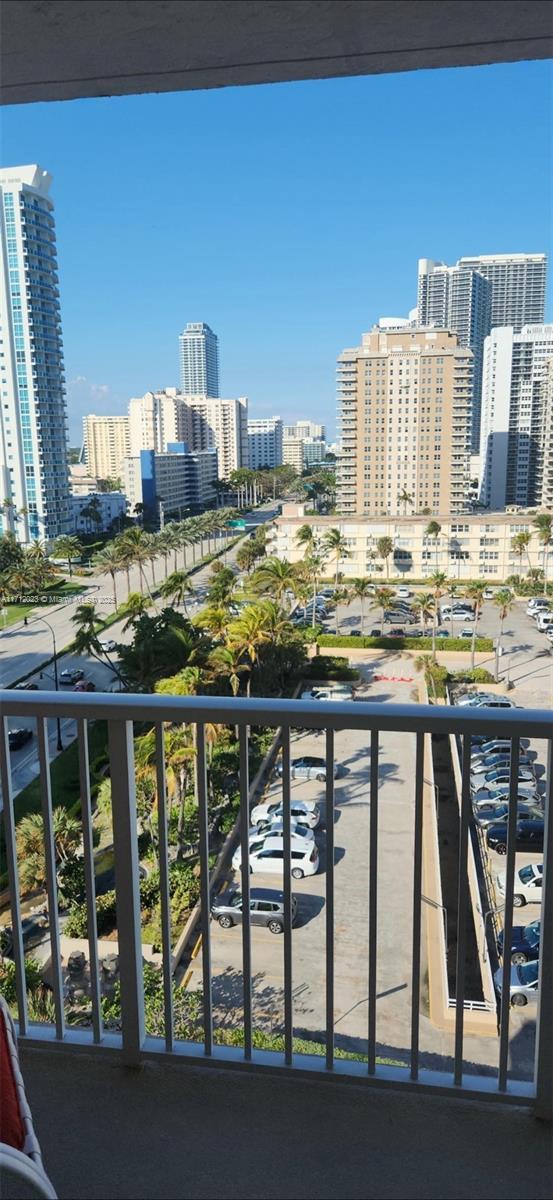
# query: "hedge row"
[403,643]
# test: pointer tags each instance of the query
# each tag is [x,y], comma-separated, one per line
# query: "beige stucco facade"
[106,442]
[404,412]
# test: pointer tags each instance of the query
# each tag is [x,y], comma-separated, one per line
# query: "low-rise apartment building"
[474,546]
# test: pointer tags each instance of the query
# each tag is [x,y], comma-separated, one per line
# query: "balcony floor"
[172,1131]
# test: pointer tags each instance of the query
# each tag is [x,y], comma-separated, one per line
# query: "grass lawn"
[16,612]
[64,774]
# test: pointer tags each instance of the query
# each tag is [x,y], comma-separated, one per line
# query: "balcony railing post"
[544,1029]
[125,839]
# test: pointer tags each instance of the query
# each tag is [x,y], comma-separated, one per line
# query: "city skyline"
[284,264]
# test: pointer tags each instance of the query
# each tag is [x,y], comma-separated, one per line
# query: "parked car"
[465,633]
[269,857]
[266,909]
[495,702]
[549,633]
[403,591]
[276,826]
[488,593]
[462,615]
[482,744]
[528,884]
[307,767]
[544,621]
[495,775]
[442,633]
[525,943]
[500,795]
[26,687]
[394,616]
[85,685]
[108,645]
[494,813]
[305,812]
[482,772]
[529,835]
[71,675]
[258,839]
[397,633]
[491,749]
[523,985]
[473,698]
[18,738]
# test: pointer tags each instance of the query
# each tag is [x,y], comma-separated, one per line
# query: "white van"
[544,620]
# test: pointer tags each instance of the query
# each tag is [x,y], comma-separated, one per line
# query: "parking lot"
[395,866]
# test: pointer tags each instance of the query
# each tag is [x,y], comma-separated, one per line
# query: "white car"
[108,645]
[528,884]
[305,812]
[404,592]
[488,774]
[536,603]
[474,699]
[488,593]
[549,634]
[526,793]
[275,825]
[544,621]
[268,856]
[260,840]
[465,634]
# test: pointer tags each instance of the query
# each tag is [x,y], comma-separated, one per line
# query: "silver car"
[524,983]
[308,767]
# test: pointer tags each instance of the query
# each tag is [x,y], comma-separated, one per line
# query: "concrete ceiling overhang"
[64,49]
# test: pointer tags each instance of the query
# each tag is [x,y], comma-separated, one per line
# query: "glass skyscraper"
[199,360]
[34,484]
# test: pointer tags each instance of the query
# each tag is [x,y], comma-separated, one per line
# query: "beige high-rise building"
[154,421]
[106,442]
[207,422]
[292,453]
[404,400]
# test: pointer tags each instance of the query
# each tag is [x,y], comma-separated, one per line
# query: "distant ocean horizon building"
[199,360]
[33,431]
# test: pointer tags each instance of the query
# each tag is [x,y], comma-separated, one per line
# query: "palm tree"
[384,548]
[519,545]
[137,545]
[313,567]
[134,608]
[424,601]
[504,602]
[248,634]
[382,597]
[67,547]
[433,530]
[360,589]
[176,587]
[405,498]
[86,620]
[438,583]
[544,525]
[215,619]
[30,845]
[226,662]
[343,596]
[475,592]
[336,544]
[276,576]
[109,560]
[305,537]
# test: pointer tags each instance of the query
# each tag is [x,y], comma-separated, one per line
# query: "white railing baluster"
[51,881]
[462,901]
[544,1026]
[287,872]
[201,797]
[127,886]
[13,878]
[329,932]
[164,896]
[417,905]
[245,887]
[508,917]
[373,904]
[90,884]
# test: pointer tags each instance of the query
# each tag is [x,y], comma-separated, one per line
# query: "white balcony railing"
[285,716]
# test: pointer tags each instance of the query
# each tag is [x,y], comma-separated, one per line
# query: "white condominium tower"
[199,360]
[208,422]
[264,442]
[154,421]
[477,294]
[305,429]
[105,444]
[33,439]
[518,286]
[404,416]
[516,419]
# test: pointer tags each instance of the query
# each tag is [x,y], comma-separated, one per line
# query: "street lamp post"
[56,682]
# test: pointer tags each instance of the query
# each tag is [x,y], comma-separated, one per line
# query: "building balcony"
[377,1056]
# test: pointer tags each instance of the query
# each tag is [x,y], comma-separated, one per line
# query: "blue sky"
[289,217]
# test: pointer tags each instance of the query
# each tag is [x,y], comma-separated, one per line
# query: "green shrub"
[402,643]
[329,666]
[33,978]
[476,675]
[76,923]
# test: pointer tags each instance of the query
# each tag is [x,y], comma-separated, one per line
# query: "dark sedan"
[19,737]
[529,836]
[525,943]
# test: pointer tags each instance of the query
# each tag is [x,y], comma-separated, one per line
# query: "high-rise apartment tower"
[404,401]
[105,444]
[33,436]
[199,360]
